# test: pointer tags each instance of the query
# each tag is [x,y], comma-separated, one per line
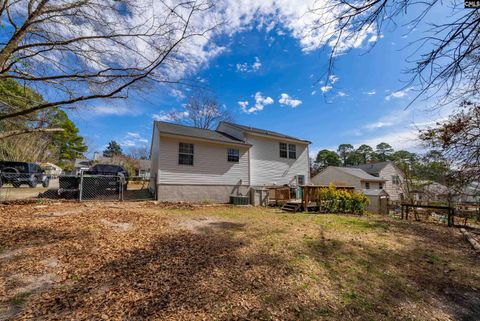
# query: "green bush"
[334,200]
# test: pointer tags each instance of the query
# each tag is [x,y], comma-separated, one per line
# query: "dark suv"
[109,170]
[18,173]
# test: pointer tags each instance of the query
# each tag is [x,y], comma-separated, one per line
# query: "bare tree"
[75,51]
[202,110]
[138,152]
[459,141]
[446,58]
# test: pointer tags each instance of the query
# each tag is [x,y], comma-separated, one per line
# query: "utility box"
[239,200]
[259,196]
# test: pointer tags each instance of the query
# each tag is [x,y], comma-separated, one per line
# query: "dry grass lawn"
[133,261]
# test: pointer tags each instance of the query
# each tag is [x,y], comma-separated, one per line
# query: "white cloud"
[370,93]
[243,104]
[333,79]
[133,139]
[399,93]
[133,135]
[285,99]
[375,37]
[257,64]
[391,119]
[313,92]
[325,88]
[398,139]
[246,67]
[112,110]
[260,102]
[342,94]
[170,116]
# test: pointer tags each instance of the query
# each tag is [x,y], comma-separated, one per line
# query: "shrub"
[334,200]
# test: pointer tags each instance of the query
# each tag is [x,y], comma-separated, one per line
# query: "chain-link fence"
[83,187]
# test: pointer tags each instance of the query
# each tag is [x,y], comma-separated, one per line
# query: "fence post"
[80,187]
[120,183]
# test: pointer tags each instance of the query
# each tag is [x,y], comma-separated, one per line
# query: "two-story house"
[193,164]
[361,181]
[393,176]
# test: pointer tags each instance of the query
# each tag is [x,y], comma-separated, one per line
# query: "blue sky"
[269,68]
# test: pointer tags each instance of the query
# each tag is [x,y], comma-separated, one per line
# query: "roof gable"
[188,131]
[358,173]
[265,132]
[373,168]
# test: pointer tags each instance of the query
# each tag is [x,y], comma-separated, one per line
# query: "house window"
[395,179]
[292,151]
[380,185]
[367,185]
[283,150]
[185,154]
[301,180]
[233,155]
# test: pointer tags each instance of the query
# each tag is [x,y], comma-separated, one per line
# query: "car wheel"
[33,183]
[46,182]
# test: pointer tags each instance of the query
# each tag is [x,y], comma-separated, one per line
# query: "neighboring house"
[371,186]
[51,169]
[393,176]
[143,168]
[82,165]
[193,164]
[428,191]
[470,194]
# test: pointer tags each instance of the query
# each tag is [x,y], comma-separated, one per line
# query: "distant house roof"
[373,168]
[375,192]
[187,131]
[359,173]
[83,163]
[144,164]
[265,132]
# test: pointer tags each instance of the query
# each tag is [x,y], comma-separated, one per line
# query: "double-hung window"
[283,150]
[288,150]
[396,179]
[233,155]
[185,154]
[292,151]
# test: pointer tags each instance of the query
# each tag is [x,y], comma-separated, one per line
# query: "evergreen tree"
[326,158]
[343,151]
[113,149]
[383,151]
[365,152]
[69,143]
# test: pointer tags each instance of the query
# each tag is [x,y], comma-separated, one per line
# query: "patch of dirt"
[10,253]
[122,227]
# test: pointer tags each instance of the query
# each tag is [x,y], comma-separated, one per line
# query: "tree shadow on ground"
[34,236]
[178,276]
[376,282]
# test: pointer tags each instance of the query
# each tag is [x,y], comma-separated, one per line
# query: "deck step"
[291,207]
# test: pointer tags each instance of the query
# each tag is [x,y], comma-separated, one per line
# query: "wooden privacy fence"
[278,194]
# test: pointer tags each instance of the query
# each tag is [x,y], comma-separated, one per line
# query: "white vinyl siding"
[210,166]
[154,156]
[268,168]
[393,190]
[332,175]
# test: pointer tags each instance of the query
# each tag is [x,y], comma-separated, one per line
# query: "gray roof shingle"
[266,132]
[182,130]
[372,168]
[360,173]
